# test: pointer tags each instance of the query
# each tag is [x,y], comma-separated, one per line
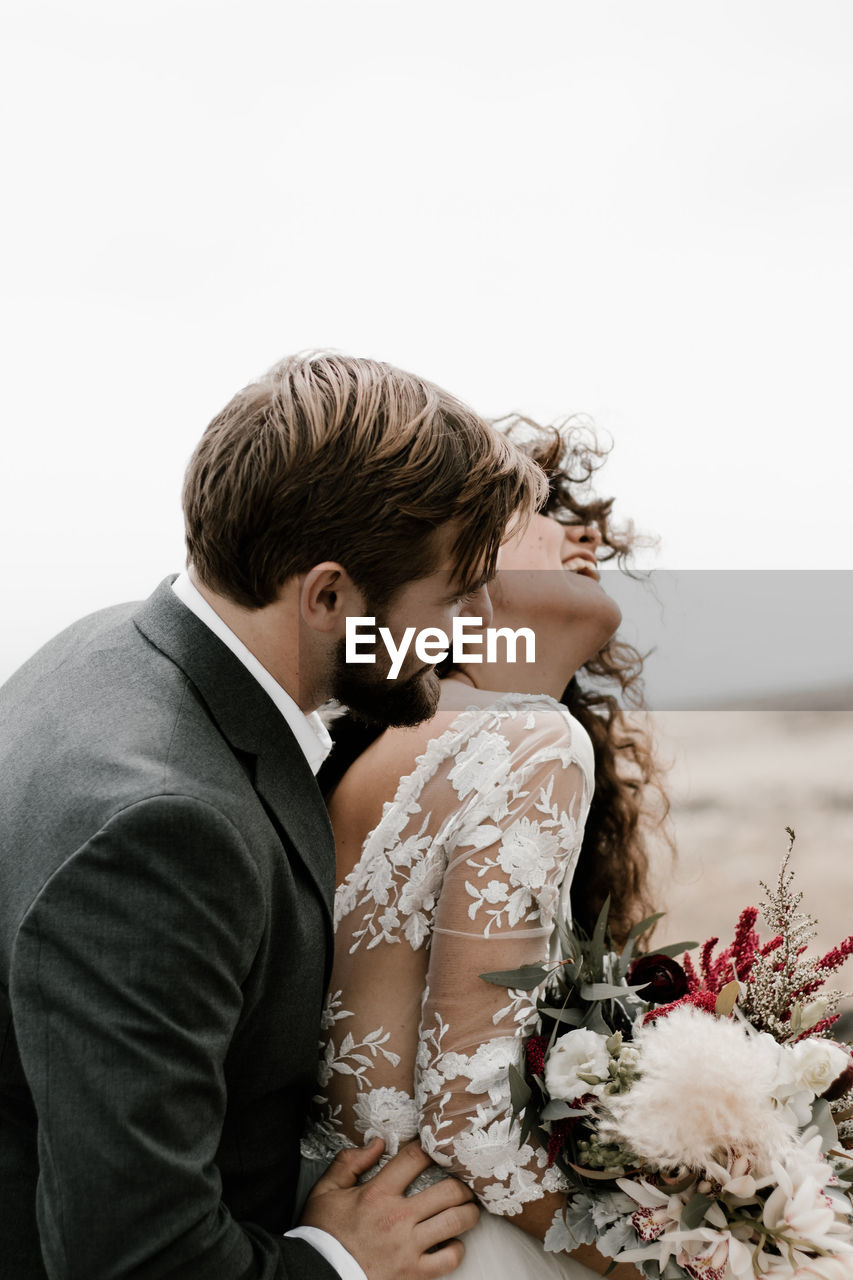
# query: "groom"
[166,864]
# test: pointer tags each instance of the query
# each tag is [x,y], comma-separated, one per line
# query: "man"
[166,864]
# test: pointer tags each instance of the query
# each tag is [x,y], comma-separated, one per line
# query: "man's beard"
[371,696]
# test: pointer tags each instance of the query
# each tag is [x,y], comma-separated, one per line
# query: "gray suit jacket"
[166,878]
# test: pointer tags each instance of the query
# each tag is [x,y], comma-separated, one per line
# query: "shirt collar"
[310,732]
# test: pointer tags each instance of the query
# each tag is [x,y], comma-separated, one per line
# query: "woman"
[457,843]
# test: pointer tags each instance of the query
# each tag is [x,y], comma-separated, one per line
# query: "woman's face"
[548,580]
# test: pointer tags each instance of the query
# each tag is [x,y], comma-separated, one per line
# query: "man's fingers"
[442,1195]
[443,1261]
[402,1169]
[347,1167]
[443,1227]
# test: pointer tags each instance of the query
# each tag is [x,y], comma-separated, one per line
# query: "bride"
[457,843]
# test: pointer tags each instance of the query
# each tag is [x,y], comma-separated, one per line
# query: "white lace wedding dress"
[467,872]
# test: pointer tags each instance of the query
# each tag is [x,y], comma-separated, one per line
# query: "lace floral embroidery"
[398,881]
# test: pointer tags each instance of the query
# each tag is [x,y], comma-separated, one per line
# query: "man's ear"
[327,596]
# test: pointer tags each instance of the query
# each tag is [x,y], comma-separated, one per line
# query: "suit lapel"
[253,726]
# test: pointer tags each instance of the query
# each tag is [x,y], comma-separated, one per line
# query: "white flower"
[788,1089]
[656,1221]
[799,1211]
[716,1258]
[580,1051]
[817,1063]
[389,1114]
[735,1178]
[823,1269]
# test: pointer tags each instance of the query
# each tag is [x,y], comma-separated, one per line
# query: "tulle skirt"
[496,1250]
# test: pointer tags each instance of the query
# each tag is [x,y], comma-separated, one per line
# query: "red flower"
[706,1000]
[560,1130]
[665,979]
[535,1049]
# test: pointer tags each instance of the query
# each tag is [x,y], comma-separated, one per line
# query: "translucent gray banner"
[758,639]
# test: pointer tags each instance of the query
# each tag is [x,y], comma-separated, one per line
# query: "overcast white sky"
[638,211]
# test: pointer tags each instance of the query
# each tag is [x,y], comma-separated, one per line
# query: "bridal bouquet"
[699,1112]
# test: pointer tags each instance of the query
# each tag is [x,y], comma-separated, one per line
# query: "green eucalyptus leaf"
[596,944]
[674,949]
[523,979]
[627,955]
[643,925]
[558,1110]
[822,1117]
[519,1090]
[604,991]
[595,1021]
[694,1211]
[573,1017]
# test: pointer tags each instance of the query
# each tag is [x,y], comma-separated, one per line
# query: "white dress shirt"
[313,737]
[309,731]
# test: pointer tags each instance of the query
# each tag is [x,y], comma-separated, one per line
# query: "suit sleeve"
[126,990]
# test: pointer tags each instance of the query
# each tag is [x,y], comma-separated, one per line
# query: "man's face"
[433,601]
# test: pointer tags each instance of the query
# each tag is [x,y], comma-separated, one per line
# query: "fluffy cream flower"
[702,1094]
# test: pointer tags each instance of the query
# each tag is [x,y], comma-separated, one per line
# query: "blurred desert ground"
[737,778]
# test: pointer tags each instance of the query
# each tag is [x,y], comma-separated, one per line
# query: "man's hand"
[390,1235]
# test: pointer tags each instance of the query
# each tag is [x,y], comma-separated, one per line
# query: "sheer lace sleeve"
[465,872]
[507,874]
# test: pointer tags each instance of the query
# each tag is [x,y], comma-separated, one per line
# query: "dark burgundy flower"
[665,980]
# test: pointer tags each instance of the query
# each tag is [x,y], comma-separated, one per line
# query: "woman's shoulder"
[492,734]
[530,724]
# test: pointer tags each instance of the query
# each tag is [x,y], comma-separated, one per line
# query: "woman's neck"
[505,677]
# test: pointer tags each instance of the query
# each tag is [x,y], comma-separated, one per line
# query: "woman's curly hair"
[629,798]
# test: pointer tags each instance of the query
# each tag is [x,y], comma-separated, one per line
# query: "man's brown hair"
[331,457]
